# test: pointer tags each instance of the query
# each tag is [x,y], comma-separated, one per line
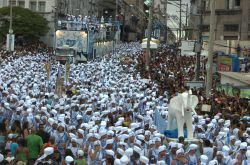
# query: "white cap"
[124,160]
[80,153]
[243,145]
[144,159]
[157,139]
[110,152]
[151,142]
[173,145]
[140,137]
[109,141]
[137,149]
[120,151]
[232,137]
[204,159]
[161,162]
[80,131]
[192,147]
[221,120]
[97,143]
[237,143]
[138,142]
[162,148]
[213,162]
[129,152]
[225,149]
[179,151]
[78,117]
[69,159]
[47,151]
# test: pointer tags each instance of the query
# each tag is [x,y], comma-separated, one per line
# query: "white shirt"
[209,151]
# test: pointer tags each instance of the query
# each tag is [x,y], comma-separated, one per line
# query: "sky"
[172,10]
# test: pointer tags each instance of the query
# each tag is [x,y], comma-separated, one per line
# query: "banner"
[243,92]
[74,39]
[194,84]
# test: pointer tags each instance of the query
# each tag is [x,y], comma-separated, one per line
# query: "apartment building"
[44,7]
[232,19]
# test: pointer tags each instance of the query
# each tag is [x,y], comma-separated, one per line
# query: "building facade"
[133,19]
[130,13]
[232,19]
[44,7]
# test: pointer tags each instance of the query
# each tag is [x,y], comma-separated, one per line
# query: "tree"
[26,23]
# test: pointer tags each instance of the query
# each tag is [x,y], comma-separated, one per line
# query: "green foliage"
[26,23]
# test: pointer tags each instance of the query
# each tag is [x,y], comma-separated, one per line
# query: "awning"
[152,45]
[152,39]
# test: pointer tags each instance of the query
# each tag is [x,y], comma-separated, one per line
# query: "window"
[230,37]
[205,28]
[33,6]
[237,3]
[41,6]
[205,38]
[13,2]
[231,28]
[227,4]
[21,3]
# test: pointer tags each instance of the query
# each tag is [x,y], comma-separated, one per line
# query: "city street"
[124,82]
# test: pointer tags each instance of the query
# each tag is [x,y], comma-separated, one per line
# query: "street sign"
[194,84]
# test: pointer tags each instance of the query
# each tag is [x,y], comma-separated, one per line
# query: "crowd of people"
[110,119]
[171,71]
[24,49]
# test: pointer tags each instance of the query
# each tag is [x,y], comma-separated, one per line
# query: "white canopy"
[152,45]
[152,39]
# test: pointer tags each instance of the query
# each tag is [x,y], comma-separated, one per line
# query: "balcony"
[234,11]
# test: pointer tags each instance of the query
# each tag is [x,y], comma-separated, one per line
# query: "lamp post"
[199,45]
[150,20]
[10,36]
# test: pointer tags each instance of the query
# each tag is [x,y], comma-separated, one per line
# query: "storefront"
[234,84]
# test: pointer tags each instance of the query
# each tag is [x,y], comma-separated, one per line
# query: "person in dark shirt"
[44,135]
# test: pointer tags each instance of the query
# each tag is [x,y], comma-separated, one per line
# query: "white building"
[44,7]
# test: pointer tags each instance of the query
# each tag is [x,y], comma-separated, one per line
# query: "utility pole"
[186,21]
[199,44]
[210,50]
[166,21]
[180,21]
[116,10]
[150,20]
